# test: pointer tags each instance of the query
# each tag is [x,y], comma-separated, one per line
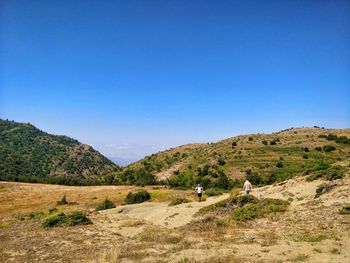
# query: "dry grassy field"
[311,230]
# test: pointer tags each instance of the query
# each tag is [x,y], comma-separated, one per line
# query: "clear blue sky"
[133,77]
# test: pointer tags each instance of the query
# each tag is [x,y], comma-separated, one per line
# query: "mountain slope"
[263,158]
[29,154]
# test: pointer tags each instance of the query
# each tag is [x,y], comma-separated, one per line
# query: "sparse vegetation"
[178,201]
[138,197]
[323,188]
[345,210]
[63,201]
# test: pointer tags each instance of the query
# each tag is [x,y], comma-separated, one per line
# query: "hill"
[31,155]
[262,158]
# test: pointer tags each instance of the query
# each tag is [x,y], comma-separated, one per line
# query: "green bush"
[264,142]
[331,173]
[345,210]
[305,156]
[178,201]
[138,197]
[256,210]
[106,204]
[279,165]
[63,201]
[328,148]
[61,219]
[214,192]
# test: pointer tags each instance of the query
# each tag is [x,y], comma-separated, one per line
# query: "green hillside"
[263,158]
[31,155]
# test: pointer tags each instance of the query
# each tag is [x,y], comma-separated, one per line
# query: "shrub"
[273,142]
[178,201]
[61,219]
[331,173]
[328,148]
[250,138]
[138,197]
[234,144]
[260,209]
[345,210]
[106,204]
[221,162]
[264,142]
[213,192]
[279,165]
[305,156]
[63,201]
[318,149]
[323,188]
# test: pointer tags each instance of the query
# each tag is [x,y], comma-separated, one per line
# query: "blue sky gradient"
[135,77]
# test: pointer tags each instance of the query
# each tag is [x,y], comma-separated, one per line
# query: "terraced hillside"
[31,155]
[263,158]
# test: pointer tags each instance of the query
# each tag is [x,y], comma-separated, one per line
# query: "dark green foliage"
[63,201]
[138,197]
[305,156]
[305,149]
[72,219]
[30,155]
[250,138]
[279,164]
[337,139]
[234,144]
[265,142]
[318,148]
[328,148]
[178,201]
[210,176]
[221,162]
[106,204]
[345,210]
[273,142]
[139,177]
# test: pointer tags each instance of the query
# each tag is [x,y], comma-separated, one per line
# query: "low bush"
[279,164]
[138,197]
[256,210]
[323,188]
[106,204]
[214,192]
[63,201]
[178,201]
[61,219]
[331,173]
[345,210]
[328,148]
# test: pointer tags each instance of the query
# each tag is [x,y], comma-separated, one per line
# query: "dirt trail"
[161,213]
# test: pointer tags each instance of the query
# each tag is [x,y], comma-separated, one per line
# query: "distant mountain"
[29,154]
[262,158]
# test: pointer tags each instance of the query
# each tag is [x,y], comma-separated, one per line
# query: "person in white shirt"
[199,190]
[247,187]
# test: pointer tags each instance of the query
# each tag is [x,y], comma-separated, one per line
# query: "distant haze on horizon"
[132,77]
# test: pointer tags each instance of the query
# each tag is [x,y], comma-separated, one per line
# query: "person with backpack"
[199,190]
[247,187]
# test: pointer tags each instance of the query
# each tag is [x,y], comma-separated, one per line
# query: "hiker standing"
[199,190]
[247,187]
